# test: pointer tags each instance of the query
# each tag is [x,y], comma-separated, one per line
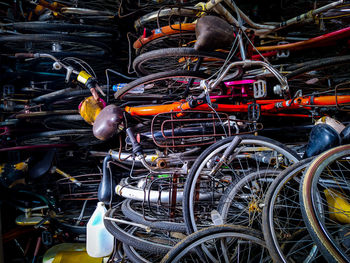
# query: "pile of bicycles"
[210,133]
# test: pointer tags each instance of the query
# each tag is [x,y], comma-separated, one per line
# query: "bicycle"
[324,202]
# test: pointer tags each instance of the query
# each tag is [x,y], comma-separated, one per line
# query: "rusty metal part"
[68,190]
[208,125]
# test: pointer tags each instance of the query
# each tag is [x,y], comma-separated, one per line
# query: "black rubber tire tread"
[55,38]
[60,27]
[255,235]
[151,222]
[75,117]
[282,178]
[171,52]
[316,229]
[54,133]
[147,47]
[62,94]
[157,76]
[198,162]
[151,17]
[72,121]
[132,240]
[316,64]
[131,255]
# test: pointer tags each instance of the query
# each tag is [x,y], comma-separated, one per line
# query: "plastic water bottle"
[99,242]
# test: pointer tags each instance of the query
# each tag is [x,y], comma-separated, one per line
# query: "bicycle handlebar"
[247,63]
[82,76]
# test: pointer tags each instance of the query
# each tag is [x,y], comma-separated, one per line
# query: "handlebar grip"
[136,147]
[24,55]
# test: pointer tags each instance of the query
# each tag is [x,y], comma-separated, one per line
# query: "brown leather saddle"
[212,33]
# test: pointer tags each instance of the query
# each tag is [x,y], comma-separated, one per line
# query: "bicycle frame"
[267,107]
[260,29]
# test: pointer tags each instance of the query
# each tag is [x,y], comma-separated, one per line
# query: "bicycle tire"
[148,85]
[284,187]
[49,137]
[140,241]
[93,48]
[319,75]
[181,58]
[138,256]
[312,193]
[191,183]
[167,41]
[147,220]
[64,27]
[65,122]
[63,94]
[164,13]
[206,234]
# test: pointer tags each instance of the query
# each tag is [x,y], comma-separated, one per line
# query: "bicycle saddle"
[43,165]
[108,122]
[213,33]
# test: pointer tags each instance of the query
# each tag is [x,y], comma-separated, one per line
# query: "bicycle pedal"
[283,53]
[46,238]
[260,90]
[253,112]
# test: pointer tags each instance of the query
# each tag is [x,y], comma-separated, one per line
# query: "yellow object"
[21,166]
[83,77]
[338,206]
[69,253]
[22,220]
[89,109]
[201,6]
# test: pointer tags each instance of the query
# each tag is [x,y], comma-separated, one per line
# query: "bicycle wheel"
[284,231]
[220,244]
[319,75]
[139,256]
[168,41]
[80,137]
[181,58]
[163,86]
[152,215]
[164,17]
[253,154]
[242,202]
[154,241]
[56,44]
[65,122]
[91,31]
[325,203]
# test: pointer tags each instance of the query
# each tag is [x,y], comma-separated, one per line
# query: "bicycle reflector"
[90,108]
[108,122]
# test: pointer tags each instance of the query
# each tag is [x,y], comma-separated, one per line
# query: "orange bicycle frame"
[267,107]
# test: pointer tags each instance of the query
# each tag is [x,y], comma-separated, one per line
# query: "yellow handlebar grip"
[83,77]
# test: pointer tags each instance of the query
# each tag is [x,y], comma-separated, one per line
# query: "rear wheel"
[326,202]
[181,59]
[220,244]
[253,154]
